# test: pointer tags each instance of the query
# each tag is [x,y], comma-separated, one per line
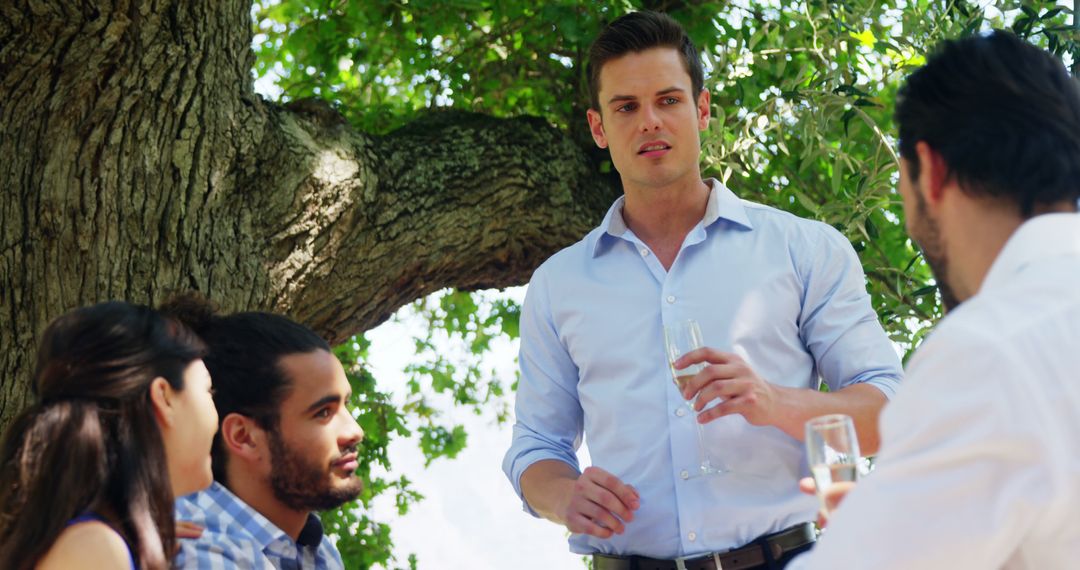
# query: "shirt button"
[692,536]
[644,252]
[685,475]
[671,298]
[680,411]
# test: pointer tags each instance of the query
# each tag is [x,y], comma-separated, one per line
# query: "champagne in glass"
[832,451]
[679,339]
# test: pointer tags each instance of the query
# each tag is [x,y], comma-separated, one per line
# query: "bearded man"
[286,445]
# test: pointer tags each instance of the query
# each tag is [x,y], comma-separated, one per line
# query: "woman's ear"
[161,397]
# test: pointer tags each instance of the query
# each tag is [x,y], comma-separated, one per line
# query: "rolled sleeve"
[838,324]
[549,418]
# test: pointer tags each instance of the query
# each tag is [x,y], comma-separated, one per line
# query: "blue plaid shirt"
[236,536]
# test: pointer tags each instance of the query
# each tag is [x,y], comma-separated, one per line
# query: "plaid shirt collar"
[224,512]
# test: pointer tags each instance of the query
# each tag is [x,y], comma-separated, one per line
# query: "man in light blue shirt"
[781,299]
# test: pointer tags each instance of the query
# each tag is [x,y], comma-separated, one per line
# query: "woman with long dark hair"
[123,423]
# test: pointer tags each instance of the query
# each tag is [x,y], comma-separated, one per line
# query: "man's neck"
[257,493]
[662,216]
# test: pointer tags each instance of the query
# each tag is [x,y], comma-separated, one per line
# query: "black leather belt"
[749,556]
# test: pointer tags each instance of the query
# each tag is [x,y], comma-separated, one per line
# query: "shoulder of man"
[224,542]
[772,219]
[219,549]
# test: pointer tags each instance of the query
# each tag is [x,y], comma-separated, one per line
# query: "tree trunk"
[139,161]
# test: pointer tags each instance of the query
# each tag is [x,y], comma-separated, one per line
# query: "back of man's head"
[1003,114]
[244,354]
[636,32]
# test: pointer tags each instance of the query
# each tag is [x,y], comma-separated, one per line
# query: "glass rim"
[681,323]
[829,421]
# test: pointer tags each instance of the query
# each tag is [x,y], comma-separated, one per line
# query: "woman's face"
[191,433]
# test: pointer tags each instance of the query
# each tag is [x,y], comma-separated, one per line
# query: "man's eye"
[625,108]
[323,413]
[670,100]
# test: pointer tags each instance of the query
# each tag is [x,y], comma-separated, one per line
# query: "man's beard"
[929,240]
[303,485]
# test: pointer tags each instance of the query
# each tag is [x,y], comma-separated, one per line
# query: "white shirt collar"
[1042,237]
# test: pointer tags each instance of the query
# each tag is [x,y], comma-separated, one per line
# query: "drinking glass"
[680,338]
[832,451]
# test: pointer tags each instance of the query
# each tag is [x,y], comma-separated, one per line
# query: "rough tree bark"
[137,160]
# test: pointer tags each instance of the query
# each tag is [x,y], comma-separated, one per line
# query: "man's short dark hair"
[244,352]
[637,32]
[1003,114]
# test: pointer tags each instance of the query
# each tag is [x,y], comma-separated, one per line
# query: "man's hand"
[600,504]
[185,529]
[834,495]
[728,378]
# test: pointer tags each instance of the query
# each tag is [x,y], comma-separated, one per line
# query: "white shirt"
[786,294]
[980,460]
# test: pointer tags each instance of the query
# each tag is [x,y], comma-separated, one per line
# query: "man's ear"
[704,112]
[242,437]
[596,127]
[933,174]
[161,398]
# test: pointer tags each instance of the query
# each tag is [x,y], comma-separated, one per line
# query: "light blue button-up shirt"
[785,293]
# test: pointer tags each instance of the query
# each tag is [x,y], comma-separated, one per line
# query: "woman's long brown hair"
[91,442]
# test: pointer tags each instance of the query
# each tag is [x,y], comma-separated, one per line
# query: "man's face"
[314,450]
[649,117]
[924,230]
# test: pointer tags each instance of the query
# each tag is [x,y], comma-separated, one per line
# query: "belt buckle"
[680,562]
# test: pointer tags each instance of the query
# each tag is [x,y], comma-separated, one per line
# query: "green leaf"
[923,291]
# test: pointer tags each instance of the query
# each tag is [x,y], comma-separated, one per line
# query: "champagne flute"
[832,451]
[679,339]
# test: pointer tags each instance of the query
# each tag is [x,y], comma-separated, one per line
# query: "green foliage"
[802,106]
[362,540]
[459,329]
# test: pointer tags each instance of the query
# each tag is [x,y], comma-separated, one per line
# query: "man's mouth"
[653,148]
[347,463]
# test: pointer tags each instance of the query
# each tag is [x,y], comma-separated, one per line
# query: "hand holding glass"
[832,451]
[679,339]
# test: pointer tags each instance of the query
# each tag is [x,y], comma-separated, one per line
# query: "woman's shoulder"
[87,544]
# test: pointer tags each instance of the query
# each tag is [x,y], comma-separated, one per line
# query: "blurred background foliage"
[802,105]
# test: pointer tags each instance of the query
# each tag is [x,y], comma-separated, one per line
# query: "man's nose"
[650,119]
[353,434]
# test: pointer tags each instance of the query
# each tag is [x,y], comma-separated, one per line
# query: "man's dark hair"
[243,358]
[1003,114]
[637,32]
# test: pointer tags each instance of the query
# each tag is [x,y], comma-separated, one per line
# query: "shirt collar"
[312,534]
[723,204]
[1042,237]
[261,529]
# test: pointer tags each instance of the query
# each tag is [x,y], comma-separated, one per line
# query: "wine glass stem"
[706,464]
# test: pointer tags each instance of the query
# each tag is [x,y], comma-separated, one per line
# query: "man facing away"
[782,298]
[287,444]
[980,458]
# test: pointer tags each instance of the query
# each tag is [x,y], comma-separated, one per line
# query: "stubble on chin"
[303,485]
